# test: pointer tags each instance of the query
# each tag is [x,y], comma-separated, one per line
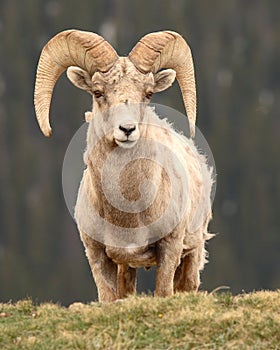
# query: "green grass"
[183,321]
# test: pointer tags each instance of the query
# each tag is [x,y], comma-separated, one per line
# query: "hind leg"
[126,281]
[169,251]
[187,276]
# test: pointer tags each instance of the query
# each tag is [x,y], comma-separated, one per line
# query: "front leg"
[104,270]
[168,258]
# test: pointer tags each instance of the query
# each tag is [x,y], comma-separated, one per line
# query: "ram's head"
[116,82]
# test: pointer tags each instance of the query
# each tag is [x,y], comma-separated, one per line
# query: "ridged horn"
[168,49]
[86,50]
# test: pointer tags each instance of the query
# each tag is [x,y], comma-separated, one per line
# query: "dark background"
[236,49]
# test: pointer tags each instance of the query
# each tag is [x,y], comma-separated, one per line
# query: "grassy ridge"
[184,321]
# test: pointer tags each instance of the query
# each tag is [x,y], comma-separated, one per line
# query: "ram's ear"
[79,78]
[164,79]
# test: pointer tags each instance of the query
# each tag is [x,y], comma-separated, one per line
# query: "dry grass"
[184,321]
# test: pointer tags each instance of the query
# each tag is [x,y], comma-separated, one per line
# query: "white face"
[120,96]
[119,124]
[125,120]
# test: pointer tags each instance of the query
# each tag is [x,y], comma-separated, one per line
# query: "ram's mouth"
[125,143]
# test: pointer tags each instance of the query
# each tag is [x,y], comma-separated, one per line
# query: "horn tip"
[47,131]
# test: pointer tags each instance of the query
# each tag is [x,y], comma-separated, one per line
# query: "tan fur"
[180,255]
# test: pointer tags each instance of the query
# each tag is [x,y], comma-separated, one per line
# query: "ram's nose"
[127,128]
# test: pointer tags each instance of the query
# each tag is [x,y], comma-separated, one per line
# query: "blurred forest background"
[236,49]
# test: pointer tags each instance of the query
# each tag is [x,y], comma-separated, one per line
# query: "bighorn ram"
[117,229]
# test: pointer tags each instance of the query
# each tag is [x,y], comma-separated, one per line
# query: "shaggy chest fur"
[146,188]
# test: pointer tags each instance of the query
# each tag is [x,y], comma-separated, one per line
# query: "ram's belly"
[134,257]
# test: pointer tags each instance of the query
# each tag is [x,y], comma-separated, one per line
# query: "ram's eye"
[97,93]
[149,95]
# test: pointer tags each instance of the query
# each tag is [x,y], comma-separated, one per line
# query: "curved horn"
[68,48]
[169,50]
